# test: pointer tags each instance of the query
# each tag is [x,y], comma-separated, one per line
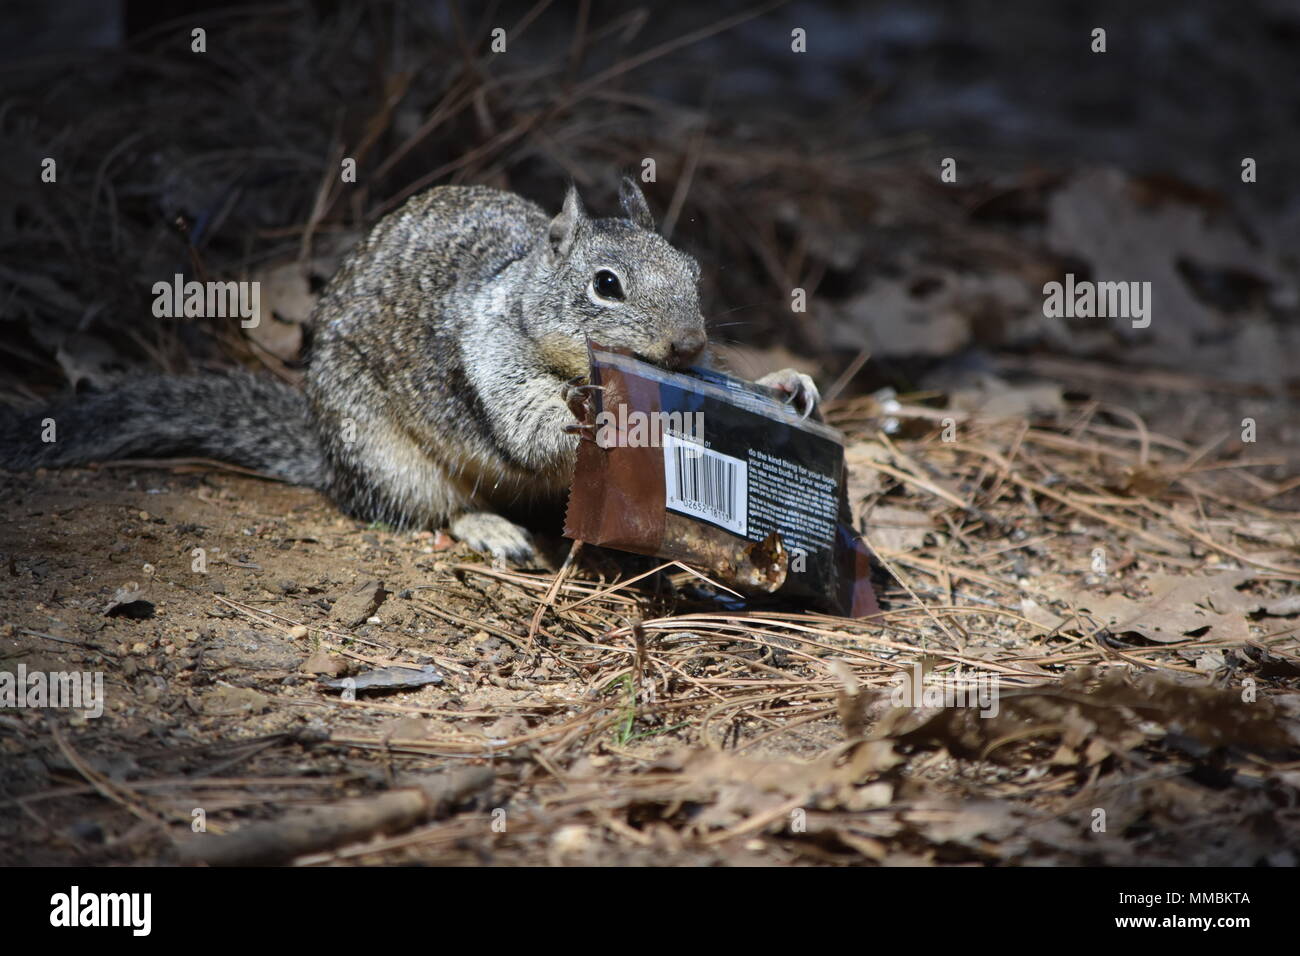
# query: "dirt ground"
[211,693]
[212,683]
[587,721]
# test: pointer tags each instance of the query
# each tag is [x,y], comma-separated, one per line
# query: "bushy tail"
[236,417]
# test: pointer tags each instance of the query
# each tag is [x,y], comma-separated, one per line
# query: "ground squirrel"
[436,385]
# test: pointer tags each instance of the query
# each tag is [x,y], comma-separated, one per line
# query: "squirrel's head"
[619,282]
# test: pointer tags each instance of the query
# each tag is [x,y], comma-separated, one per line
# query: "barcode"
[705,484]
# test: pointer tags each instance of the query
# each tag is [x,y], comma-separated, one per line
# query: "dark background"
[779,170]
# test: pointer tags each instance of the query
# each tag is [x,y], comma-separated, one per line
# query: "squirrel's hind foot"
[492,534]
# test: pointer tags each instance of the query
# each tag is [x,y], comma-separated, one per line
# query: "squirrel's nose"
[686,348]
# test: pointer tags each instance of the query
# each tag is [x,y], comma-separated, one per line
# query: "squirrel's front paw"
[492,534]
[576,395]
[799,388]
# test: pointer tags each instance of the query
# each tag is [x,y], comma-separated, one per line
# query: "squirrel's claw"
[576,395]
[800,390]
[584,432]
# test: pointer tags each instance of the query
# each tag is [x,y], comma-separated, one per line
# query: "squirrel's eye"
[607,285]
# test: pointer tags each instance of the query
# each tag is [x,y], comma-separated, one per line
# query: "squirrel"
[445,350]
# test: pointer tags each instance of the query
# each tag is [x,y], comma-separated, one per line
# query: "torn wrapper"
[721,475]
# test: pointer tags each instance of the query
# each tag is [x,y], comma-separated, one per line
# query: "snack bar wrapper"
[719,474]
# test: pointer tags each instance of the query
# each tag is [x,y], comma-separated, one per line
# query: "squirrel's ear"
[564,227]
[634,204]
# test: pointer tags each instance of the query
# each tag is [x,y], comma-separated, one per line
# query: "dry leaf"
[1179,606]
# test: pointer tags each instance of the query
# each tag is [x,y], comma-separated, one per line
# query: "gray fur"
[447,339]
[434,391]
[248,419]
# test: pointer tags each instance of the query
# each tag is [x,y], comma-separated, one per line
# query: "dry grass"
[657,727]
